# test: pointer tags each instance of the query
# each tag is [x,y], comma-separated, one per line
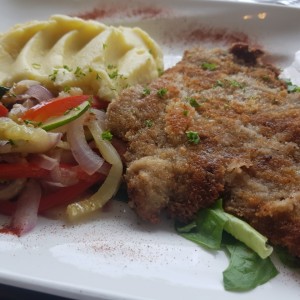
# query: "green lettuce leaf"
[246,269]
[249,263]
[207,230]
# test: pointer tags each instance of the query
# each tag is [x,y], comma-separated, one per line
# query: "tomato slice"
[21,170]
[64,195]
[3,110]
[31,170]
[53,108]
[67,195]
[61,196]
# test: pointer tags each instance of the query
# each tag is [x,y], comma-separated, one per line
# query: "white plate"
[114,256]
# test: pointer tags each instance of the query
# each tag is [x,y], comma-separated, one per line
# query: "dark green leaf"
[106,135]
[149,123]
[193,102]
[162,92]
[186,228]
[193,137]
[292,88]
[209,66]
[210,224]
[246,269]
[146,92]
[208,230]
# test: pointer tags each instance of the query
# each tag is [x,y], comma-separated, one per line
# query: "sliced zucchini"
[68,117]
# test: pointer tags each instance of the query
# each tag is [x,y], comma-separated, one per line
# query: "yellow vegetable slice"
[110,186]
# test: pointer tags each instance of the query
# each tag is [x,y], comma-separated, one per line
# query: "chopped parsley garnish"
[98,76]
[229,83]
[193,102]
[79,73]
[123,77]
[266,78]
[110,67]
[193,137]
[292,88]
[104,46]
[160,71]
[185,112]
[146,92]
[236,84]
[113,74]
[162,92]
[106,135]
[53,75]
[67,89]
[36,66]
[149,123]
[219,83]
[67,68]
[208,66]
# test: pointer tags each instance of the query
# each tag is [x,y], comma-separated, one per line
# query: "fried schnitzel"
[218,124]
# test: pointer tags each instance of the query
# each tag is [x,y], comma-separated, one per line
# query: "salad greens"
[246,269]
[292,88]
[249,264]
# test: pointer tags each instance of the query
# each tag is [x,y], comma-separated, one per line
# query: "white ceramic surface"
[114,255]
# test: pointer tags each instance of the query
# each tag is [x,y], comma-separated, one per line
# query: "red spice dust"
[10,230]
[217,35]
[200,34]
[121,11]
[97,13]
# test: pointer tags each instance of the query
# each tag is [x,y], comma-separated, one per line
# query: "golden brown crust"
[248,152]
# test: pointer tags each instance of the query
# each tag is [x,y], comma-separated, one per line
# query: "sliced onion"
[52,184]
[25,216]
[29,103]
[63,177]
[111,183]
[39,93]
[22,85]
[88,160]
[46,162]
[12,189]
[18,93]
[100,117]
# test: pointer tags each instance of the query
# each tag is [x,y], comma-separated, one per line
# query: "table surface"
[13,293]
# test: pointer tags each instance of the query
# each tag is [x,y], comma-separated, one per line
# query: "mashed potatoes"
[66,52]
